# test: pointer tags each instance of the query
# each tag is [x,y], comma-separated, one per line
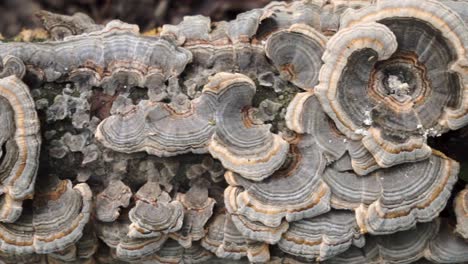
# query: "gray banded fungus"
[394,199]
[306,116]
[240,144]
[402,89]
[116,56]
[461,212]
[322,237]
[291,193]
[61,26]
[198,209]
[173,252]
[296,54]
[447,247]
[20,140]
[111,199]
[224,240]
[401,247]
[125,248]
[154,214]
[217,120]
[56,221]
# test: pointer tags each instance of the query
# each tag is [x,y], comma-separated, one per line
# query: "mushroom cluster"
[295,133]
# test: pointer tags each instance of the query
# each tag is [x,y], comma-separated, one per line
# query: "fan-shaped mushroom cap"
[160,130]
[225,241]
[127,248]
[56,221]
[191,29]
[323,236]
[242,146]
[402,90]
[400,247]
[244,26]
[296,54]
[461,212]
[447,247]
[306,116]
[292,193]
[60,26]
[115,55]
[20,140]
[393,199]
[173,252]
[109,201]
[154,213]
[12,65]
[198,208]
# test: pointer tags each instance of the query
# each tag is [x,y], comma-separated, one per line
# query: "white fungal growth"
[397,86]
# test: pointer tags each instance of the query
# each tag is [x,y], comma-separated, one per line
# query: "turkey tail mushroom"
[291,193]
[111,199]
[322,237]
[20,141]
[461,212]
[55,222]
[394,199]
[116,56]
[296,54]
[241,145]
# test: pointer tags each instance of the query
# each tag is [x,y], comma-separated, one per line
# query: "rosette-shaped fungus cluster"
[295,133]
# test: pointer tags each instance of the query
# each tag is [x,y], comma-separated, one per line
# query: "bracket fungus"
[114,57]
[216,121]
[20,141]
[154,214]
[323,236]
[295,133]
[461,212]
[292,193]
[394,199]
[402,90]
[56,221]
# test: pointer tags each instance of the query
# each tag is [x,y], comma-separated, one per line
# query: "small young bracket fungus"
[394,199]
[126,248]
[198,208]
[116,56]
[461,212]
[447,247]
[296,54]
[322,237]
[402,90]
[55,222]
[109,201]
[292,193]
[401,247]
[20,141]
[241,145]
[154,214]
[61,26]
[225,241]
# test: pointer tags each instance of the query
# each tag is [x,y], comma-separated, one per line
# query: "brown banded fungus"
[240,144]
[114,57]
[296,53]
[224,240]
[292,193]
[383,84]
[394,199]
[322,237]
[55,221]
[20,141]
